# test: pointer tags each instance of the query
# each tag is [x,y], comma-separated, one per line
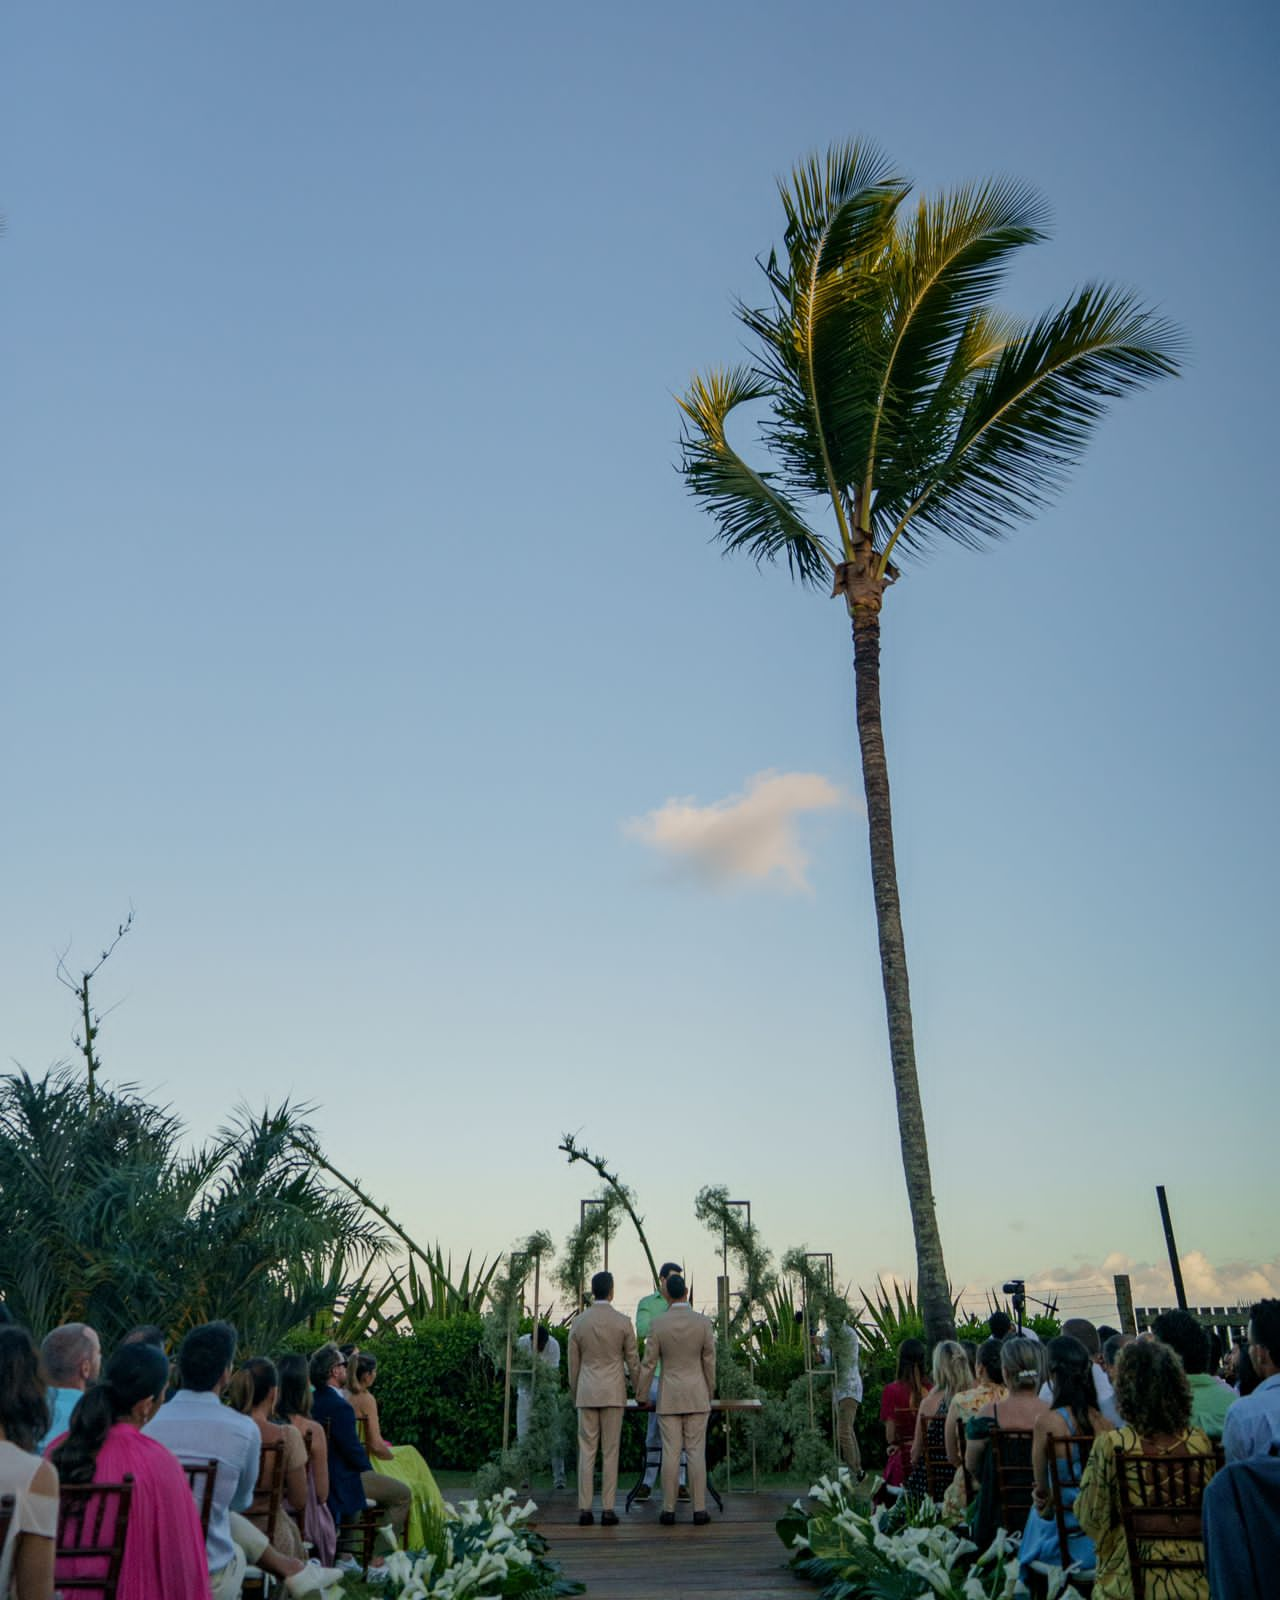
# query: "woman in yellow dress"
[399,1461]
[1154,1400]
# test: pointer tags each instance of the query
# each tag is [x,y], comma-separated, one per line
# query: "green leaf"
[752,513]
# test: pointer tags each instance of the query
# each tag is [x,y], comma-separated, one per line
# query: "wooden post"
[506,1395]
[1124,1304]
[1174,1265]
[533,1336]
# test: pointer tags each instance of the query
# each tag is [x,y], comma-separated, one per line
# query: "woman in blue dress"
[1074,1415]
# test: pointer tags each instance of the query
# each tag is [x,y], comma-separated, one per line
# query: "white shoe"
[314,1579]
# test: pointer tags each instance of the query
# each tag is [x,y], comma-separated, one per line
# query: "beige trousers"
[598,1426]
[687,1431]
[227,1583]
[847,1435]
[391,1496]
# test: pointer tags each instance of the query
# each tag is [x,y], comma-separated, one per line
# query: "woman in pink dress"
[164,1552]
[899,1404]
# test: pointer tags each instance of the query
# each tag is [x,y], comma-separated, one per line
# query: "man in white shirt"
[198,1428]
[1252,1427]
[549,1355]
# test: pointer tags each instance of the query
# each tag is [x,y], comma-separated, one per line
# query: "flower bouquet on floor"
[853,1552]
[486,1547]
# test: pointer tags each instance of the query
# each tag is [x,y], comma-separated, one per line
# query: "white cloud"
[1232,1283]
[750,836]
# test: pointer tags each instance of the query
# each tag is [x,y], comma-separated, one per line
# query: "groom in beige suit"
[602,1343]
[684,1342]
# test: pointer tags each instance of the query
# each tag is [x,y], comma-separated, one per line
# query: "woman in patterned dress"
[1154,1398]
[951,1375]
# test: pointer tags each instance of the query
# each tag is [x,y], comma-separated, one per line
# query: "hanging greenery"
[626,1199]
[585,1245]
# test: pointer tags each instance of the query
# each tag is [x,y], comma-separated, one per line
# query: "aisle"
[739,1553]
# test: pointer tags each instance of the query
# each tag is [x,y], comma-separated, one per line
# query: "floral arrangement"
[855,1553]
[489,1548]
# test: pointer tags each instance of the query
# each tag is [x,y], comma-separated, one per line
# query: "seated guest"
[164,1553]
[1021,1369]
[26,1560]
[966,1405]
[253,1391]
[72,1358]
[951,1376]
[1075,1414]
[1252,1427]
[352,1480]
[1110,1356]
[400,1461]
[294,1406]
[147,1333]
[1082,1329]
[1001,1325]
[198,1428]
[899,1403]
[1155,1401]
[1209,1398]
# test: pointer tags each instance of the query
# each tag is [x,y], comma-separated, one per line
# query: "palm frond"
[945,265]
[1030,416]
[828,315]
[751,511]
[821,184]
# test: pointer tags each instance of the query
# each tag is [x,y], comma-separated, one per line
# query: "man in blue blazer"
[352,1481]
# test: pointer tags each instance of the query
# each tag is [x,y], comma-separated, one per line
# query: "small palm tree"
[110,1221]
[916,411]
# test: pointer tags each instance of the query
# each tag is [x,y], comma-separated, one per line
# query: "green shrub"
[436,1390]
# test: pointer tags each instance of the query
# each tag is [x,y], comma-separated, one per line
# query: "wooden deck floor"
[738,1553]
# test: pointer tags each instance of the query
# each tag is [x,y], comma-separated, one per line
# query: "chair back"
[93,1519]
[264,1508]
[938,1471]
[1160,1505]
[1066,1462]
[1013,1478]
[202,1476]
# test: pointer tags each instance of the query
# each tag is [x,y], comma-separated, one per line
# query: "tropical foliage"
[904,402]
[424,1290]
[110,1220]
[854,1553]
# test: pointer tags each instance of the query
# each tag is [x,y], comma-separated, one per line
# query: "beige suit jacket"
[684,1341]
[601,1343]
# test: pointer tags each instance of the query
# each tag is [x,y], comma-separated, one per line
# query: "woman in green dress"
[399,1461]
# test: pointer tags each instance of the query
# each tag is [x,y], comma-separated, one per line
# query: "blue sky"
[353,608]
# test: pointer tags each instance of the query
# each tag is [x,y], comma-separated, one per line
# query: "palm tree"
[916,411]
[109,1220]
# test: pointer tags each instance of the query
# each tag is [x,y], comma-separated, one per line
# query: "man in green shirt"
[1209,1398]
[654,1305]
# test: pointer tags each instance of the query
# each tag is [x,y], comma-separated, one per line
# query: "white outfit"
[32,1513]
[848,1380]
[1102,1389]
[550,1356]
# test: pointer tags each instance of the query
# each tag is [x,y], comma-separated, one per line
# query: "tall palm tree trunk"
[931,1272]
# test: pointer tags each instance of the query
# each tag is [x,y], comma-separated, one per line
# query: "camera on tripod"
[1016,1289]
